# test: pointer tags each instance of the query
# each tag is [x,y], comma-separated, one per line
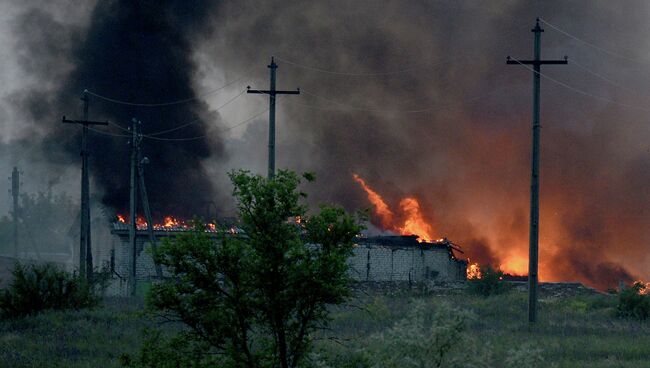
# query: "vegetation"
[253,300]
[44,219]
[489,283]
[35,288]
[632,302]
[573,332]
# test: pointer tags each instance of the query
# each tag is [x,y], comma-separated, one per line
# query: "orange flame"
[121,219]
[414,223]
[381,208]
[473,271]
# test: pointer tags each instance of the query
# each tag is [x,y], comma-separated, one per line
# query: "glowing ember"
[121,219]
[473,271]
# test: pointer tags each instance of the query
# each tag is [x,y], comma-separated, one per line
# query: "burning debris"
[171,223]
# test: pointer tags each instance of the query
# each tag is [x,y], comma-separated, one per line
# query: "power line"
[592,45]
[346,107]
[607,80]
[351,74]
[197,119]
[203,136]
[579,91]
[170,103]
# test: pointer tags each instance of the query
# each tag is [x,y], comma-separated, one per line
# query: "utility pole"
[85,250]
[272,92]
[135,145]
[534,187]
[147,210]
[15,193]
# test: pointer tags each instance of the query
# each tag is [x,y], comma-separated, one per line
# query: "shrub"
[632,302]
[490,282]
[35,288]
[425,338]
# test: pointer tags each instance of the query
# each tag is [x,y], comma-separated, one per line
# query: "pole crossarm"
[83,122]
[267,92]
[537,62]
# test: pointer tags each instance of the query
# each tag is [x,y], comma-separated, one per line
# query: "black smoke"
[141,52]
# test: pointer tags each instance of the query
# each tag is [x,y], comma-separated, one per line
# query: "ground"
[578,330]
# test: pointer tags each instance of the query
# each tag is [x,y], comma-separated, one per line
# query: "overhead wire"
[169,103]
[212,111]
[351,74]
[204,135]
[579,91]
[592,45]
[248,120]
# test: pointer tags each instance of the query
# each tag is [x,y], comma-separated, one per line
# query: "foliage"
[632,302]
[489,283]
[35,288]
[44,218]
[255,299]
[569,338]
[423,339]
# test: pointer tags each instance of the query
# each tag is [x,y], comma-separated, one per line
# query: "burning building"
[404,258]
[374,259]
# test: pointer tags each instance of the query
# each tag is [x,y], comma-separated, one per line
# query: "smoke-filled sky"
[414,96]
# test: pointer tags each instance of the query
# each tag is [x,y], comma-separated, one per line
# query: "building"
[376,259]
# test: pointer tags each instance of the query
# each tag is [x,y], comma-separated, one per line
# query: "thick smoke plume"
[466,157]
[134,51]
[418,101]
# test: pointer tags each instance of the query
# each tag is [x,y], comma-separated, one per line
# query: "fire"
[170,222]
[414,222]
[381,208]
[515,265]
[473,271]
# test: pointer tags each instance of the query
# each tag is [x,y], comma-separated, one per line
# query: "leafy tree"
[252,300]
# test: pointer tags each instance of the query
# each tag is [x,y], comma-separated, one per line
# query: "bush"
[632,303]
[35,288]
[425,338]
[490,282]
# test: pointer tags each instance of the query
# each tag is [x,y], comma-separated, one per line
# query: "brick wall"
[369,262]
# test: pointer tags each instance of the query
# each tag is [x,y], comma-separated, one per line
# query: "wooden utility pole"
[534,187]
[15,193]
[85,249]
[272,92]
[135,145]
[147,210]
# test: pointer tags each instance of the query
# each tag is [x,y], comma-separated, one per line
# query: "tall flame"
[414,222]
[381,208]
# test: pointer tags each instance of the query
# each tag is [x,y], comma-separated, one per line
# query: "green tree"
[252,300]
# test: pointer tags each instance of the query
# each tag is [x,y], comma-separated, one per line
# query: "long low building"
[376,258]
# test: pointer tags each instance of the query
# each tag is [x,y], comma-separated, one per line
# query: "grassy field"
[578,331]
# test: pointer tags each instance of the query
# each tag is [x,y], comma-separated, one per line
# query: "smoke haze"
[422,104]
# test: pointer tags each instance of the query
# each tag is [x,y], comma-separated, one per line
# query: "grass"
[579,331]
[87,338]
